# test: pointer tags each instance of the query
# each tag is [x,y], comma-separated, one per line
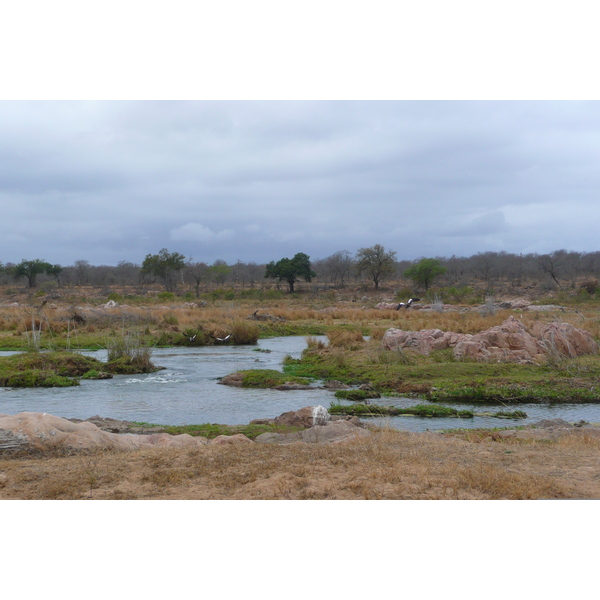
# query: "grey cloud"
[262,179]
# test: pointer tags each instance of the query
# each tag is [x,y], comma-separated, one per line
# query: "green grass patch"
[60,369]
[44,369]
[441,380]
[421,410]
[35,378]
[268,378]
[212,430]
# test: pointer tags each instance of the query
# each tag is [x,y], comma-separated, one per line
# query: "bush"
[342,338]
[244,333]
[166,296]
[590,285]
[128,355]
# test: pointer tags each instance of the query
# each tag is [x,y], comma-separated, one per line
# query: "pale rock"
[43,432]
[507,342]
[232,440]
[305,417]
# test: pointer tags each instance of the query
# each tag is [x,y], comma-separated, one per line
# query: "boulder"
[567,340]
[423,341]
[507,342]
[43,432]
[305,417]
[233,379]
[231,440]
[119,426]
[337,429]
[333,433]
[291,385]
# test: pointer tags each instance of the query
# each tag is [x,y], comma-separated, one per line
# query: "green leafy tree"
[291,270]
[376,262]
[55,271]
[219,271]
[30,269]
[164,266]
[425,271]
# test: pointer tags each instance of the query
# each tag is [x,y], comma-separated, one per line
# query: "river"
[187,392]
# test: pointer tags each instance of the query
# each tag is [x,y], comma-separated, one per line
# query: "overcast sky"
[258,180]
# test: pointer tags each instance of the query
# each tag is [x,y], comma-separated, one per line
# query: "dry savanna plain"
[388,464]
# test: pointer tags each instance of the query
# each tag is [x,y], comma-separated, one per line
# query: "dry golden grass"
[220,316]
[387,465]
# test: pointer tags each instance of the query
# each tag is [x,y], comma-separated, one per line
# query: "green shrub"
[420,410]
[273,295]
[166,296]
[268,378]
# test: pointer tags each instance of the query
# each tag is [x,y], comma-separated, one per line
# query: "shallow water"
[188,392]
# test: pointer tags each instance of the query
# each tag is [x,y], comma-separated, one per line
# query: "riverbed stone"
[305,417]
[291,386]
[233,379]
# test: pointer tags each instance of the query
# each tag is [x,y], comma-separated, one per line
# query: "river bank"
[553,462]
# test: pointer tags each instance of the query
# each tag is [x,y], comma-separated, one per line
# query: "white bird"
[192,338]
[407,304]
[223,339]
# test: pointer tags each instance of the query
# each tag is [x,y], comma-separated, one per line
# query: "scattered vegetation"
[212,430]
[420,410]
[356,395]
[127,355]
[269,378]
[439,378]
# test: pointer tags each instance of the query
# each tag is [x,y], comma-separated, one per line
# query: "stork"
[407,304]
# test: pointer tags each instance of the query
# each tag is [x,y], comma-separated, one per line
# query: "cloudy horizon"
[107,181]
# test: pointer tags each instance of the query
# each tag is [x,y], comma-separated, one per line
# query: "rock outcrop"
[423,341]
[330,431]
[507,342]
[567,340]
[233,379]
[41,432]
[44,432]
[305,417]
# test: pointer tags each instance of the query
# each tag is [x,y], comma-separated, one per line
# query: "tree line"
[370,266]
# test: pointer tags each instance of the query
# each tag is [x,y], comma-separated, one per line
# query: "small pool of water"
[187,392]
